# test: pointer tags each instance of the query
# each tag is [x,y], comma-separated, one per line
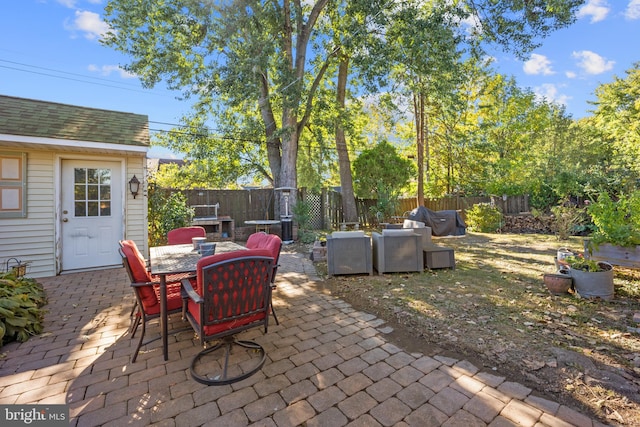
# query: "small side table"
[438,257]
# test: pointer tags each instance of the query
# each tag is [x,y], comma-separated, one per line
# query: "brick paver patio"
[328,365]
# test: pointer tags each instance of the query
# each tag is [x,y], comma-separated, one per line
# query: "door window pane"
[92,192]
[105,208]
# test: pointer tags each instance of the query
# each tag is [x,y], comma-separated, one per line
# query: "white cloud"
[88,23]
[633,10]
[592,63]
[597,9]
[549,92]
[71,4]
[538,64]
[106,70]
[570,74]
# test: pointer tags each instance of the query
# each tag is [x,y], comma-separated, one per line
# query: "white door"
[91,214]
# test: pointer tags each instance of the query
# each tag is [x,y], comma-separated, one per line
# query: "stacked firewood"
[527,223]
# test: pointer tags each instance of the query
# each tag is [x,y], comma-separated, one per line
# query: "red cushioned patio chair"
[231,295]
[147,291]
[183,235]
[273,244]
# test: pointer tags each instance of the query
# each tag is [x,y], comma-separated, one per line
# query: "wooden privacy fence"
[241,205]
[326,206]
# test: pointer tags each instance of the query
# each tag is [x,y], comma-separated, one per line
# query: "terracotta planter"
[558,283]
[597,284]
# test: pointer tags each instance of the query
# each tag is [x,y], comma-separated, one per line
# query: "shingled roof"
[28,117]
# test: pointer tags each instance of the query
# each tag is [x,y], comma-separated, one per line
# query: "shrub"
[568,220]
[484,218]
[166,212]
[21,316]
[302,215]
[616,222]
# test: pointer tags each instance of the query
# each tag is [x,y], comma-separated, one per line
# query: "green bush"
[21,315]
[484,218]
[166,211]
[302,215]
[568,220]
[616,221]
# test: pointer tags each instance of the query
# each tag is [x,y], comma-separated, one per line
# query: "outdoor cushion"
[397,232]
[409,223]
[136,261]
[183,235]
[341,234]
[150,294]
[270,242]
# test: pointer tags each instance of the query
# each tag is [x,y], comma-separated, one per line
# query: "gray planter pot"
[597,284]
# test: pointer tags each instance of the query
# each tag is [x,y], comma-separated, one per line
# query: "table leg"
[163,316]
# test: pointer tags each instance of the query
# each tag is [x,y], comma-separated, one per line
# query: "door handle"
[65,219]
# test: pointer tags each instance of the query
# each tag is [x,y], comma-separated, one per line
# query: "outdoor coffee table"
[175,259]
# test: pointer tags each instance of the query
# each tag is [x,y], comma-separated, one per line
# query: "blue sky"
[49,50]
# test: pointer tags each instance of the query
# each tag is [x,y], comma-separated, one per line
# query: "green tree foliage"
[616,221]
[484,218]
[428,70]
[617,117]
[381,171]
[166,211]
[251,58]
[257,66]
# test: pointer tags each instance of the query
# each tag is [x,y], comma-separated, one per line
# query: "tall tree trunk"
[274,143]
[289,172]
[418,107]
[346,181]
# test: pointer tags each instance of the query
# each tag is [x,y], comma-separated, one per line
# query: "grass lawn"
[495,309]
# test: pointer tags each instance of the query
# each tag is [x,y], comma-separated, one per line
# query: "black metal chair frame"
[141,316]
[226,338]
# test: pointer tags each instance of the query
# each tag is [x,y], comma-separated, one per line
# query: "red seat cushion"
[136,261]
[271,242]
[140,274]
[174,298]
[183,235]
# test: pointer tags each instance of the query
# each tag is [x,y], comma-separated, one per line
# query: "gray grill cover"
[442,223]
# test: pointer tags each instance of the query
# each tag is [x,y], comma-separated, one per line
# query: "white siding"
[136,209]
[31,239]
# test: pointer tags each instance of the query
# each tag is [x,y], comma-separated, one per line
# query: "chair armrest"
[178,277]
[191,293]
[141,284]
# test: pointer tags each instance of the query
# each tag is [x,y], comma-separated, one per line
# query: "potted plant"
[616,237]
[591,278]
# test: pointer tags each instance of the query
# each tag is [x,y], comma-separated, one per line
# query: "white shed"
[65,193]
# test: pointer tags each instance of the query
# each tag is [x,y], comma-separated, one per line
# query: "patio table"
[174,259]
[262,224]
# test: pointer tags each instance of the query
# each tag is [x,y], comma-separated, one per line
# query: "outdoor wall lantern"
[134,186]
